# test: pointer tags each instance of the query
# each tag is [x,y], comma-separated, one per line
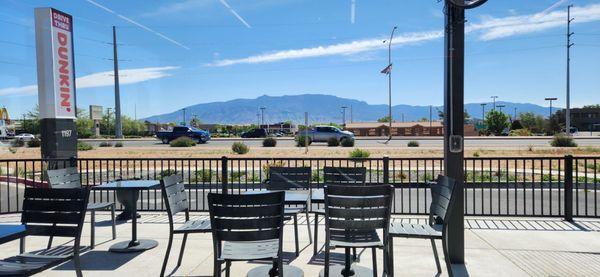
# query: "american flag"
[387,69]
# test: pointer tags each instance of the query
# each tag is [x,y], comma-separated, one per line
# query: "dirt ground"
[197,152]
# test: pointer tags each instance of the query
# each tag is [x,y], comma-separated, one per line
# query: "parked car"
[24,137]
[324,133]
[200,136]
[255,133]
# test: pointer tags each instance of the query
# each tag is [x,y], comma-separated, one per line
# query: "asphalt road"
[475,142]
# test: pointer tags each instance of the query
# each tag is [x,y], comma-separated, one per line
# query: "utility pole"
[351,115]
[430,118]
[494,99]
[515,113]
[569,45]
[483,111]
[344,116]
[501,106]
[550,99]
[108,121]
[184,122]
[402,118]
[118,128]
[262,113]
[258,119]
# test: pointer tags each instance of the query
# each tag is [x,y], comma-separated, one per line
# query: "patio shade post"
[224,172]
[568,188]
[454,125]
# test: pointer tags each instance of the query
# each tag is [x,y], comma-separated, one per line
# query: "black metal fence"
[504,186]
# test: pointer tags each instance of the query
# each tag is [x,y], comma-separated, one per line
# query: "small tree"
[384,119]
[239,148]
[496,122]
[516,125]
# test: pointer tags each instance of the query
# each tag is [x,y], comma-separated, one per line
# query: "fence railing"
[497,186]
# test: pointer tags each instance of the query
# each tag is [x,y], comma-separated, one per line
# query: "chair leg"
[437,258]
[227,268]
[390,258]
[296,234]
[326,261]
[77,263]
[354,256]
[113,221]
[49,242]
[182,249]
[308,226]
[447,257]
[93,229]
[374,254]
[316,241]
[21,245]
[280,267]
[217,268]
[169,244]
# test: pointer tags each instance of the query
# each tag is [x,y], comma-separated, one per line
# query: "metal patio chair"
[69,178]
[49,212]
[353,217]
[442,195]
[293,179]
[176,201]
[247,227]
[340,176]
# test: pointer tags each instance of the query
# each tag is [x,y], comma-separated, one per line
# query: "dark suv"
[255,133]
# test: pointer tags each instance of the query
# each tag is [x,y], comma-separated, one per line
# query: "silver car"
[324,133]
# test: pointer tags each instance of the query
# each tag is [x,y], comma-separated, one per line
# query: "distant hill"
[320,107]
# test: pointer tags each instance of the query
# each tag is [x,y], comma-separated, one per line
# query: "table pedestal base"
[263,271]
[336,271]
[133,246]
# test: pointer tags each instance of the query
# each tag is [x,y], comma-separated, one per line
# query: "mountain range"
[321,108]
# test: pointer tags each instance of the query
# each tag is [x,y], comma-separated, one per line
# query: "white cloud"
[103,79]
[488,28]
[491,28]
[329,50]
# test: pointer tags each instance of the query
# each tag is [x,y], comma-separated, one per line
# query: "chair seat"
[408,230]
[99,206]
[28,264]
[354,239]
[194,226]
[293,210]
[319,211]
[249,250]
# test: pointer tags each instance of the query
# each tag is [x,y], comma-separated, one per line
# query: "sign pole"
[56,86]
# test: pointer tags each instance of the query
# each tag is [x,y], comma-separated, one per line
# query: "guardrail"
[494,186]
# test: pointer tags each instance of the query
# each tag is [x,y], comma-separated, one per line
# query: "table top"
[129,185]
[9,232]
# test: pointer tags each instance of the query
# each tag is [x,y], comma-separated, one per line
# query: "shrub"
[413,143]
[105,144]
[119,144]
[520,132]
[476,154]
[333,142]
[561,140]
[347,142]
[269,142]
[268,166]
[182,142]
[35,142]
[204,176]
[240,148]
[359,153]
[166,173]
[17,143]
[302,141]
[82,146]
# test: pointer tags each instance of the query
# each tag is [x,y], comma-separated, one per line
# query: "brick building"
[436,128]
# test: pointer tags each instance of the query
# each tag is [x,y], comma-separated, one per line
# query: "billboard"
[95,112]
[55,69]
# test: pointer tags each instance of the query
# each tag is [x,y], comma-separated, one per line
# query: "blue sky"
[183,52]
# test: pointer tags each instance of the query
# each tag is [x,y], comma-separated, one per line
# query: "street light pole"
[483,111]
[389,73]
[501,106]
[262,112]
[494,99]
[550,99]
[184,124]
[569,45]
[344,115]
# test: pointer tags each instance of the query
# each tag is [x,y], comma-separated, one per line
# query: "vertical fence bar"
[568,188]
[224,172]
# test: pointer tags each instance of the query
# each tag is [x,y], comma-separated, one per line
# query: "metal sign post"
[56,85]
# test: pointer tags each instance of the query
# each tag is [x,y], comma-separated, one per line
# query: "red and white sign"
[54,49]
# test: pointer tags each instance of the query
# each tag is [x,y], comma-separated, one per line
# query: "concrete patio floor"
[494,247]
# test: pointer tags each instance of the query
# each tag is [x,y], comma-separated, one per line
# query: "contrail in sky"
[352,11]
[138,24]
[235,13]
[554,6]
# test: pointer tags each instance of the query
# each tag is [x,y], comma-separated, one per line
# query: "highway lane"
[475,142]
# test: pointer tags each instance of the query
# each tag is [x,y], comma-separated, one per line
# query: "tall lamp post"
[550,99]
[494,101]
[454,62]
[388,71]
[344,115]
[483,111]
[501,106]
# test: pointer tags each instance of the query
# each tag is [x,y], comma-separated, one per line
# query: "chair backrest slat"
[355,208]
[289,178]
[64,178]
[442,194]
[344,175]
[174,194]
[247,217]
[55,212]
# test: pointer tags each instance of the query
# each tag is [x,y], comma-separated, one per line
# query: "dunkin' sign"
[54,48]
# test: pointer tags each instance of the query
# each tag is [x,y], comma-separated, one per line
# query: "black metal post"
[224,174]
[386,169]
[118,128]
[454,125]
[568,188]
